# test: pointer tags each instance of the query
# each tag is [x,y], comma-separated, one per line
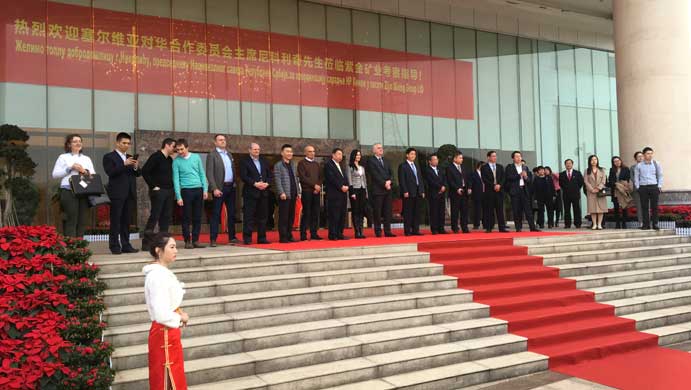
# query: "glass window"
[222,12]
[488,90]
[586,136]
[338,24]
[549,101]
[395,129]
[312,20]
[464,49]
[508,93]
[284,17]
[315,122]
[526,65]
[392,32]
[254,14]
[365,28]
[286,120]
[341,123]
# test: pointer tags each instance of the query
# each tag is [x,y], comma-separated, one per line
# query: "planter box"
[104,237]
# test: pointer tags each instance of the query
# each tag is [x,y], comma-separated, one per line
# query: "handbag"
[98,200]
[604,192]
[86,185]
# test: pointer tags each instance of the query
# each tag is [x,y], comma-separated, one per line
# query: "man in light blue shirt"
[647,180]
[221,178]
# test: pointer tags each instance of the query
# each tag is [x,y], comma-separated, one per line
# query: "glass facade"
[552,101]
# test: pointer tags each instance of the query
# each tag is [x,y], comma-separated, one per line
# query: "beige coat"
[596,204]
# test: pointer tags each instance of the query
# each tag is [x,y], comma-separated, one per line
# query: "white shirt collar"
[123,155]
[309,159]
[219,150]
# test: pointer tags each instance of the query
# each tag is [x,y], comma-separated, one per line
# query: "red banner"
[80,47]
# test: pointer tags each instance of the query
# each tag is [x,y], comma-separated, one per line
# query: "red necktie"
[569,174]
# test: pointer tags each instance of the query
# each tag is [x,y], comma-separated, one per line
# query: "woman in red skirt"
[163,299]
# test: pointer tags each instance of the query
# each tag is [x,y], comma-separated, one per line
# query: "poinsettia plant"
[50,305]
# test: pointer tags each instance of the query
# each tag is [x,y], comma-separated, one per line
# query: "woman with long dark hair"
[620,183]
[358,191]
[75,209]
[595,182]
[164,294]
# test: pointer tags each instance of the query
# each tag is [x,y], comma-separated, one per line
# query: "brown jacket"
[310,174]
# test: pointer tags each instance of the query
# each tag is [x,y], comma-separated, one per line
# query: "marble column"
[652,41]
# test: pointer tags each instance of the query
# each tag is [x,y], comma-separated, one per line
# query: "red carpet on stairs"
[581,337]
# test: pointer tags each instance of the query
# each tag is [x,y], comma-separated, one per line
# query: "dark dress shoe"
[466,231]
[188,245]
[116,251]
[263,241]
[455,231]
[442,232]
[247,242]
[343,238]
[196,244]
[377,234]
[291,239]
[360,236]
[535,230]
[655,227]
[130,250]
[418,234]
[333,239]
[389,235]
[488,230]
[317,238]
[503,230]
[213,244]
[517,230]
[303,238]
[234,241]
[282,241]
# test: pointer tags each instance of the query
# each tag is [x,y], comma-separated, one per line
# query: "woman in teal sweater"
[189,182]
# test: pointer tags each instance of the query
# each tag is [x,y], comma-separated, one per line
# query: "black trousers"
[254,214]
[161,211]
[437,212]
[574,204]
[522,206]
[120,210]
[310,214]
[650,197]
[358,206]
[459,209]
[620,213]
[381,207]
[75,210]
[493,204]
[336,214]
[192,205]
[286,216]
[542,206]
[477,210]
[228,198]
[558,207]
[411,214]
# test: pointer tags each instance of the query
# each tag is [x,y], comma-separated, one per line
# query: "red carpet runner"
[582,338]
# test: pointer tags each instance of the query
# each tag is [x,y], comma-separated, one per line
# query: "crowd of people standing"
[365,185]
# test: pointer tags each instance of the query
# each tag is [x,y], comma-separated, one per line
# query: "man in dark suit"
[122,170]
[517,183]
[381,176]
[571,183]
[493,178]
[337,186]
[221,178]
[543,193]
[435,181]
[256,176]
[458,193]
[412,191]
[477,188]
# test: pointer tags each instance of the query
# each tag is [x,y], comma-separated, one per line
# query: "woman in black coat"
[618,172]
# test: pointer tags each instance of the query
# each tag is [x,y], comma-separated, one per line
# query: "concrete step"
[601,267]
[315,376]
[457,376]
[239,285]
[585,235]
[650,302]
[661,317]
[259,269]
[555,259]
[624,277]
[226,255]
[134,314]
[603,244]
[672,334]
[631,290]
[254,319]
[286,335]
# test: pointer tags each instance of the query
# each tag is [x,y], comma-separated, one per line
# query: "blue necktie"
[412,166]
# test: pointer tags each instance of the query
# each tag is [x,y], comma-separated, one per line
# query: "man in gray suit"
[288,191]
[221,178]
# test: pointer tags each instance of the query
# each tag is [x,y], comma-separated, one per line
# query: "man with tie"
[571,183]
[412,192]
[336,184]
[256,176]
[477,188]
[493,178]
[518,182]
[458,193]
[435,181]
[381,185]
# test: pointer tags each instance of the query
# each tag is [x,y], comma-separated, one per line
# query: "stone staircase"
[377,317]
[645,275]
[367,317]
